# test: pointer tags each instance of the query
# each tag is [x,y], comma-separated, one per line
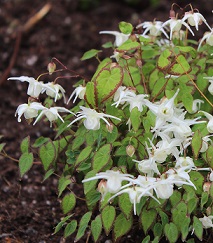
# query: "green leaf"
[84,154]
[196,143]
[96,228]
[47,154]
[158,229]
[163,60]
[209,155]
[83,225]
[40,141]
[192,204]
[89,54]
[107,82]
[135,118]
[204,199]
[2,146]
[125,28]
[121,226]
[198,228]
[171,232]
[179,214]
[181,67]
[159,87]
[70,228]
[185,228]
[92,197]
[197,179]
[125,205]
[62,184]
[25,144]
[101,157]
[146,239]
[48,174]
[77,142]
[90,94]
[68,202]
[128,46]
[147,218]
[62,223]
[89,185]
[25,162]
[108,217]
[175,198]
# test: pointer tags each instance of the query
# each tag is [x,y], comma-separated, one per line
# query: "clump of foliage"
[139,139]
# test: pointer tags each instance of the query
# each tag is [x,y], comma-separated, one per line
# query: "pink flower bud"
[130,150]
[102,187]
[51,67]
[206,186]
[109,127]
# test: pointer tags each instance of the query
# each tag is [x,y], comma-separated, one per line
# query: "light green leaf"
[121,226]
[47,154]
[171,232]
[89,54]
[204,199]
[84,154]
[163,61]
[90,94]
[192,204]
[25,144]
[158,229]
[107,82]
[175,198]
[70,228]
[25,162]
[96,228]
[196,143]
[83,225]
[128,46]
[48,174]
[62,184]
[108,217]
[181,67]
[89,185]
[62,223]
[2,146]
[40,141]
[135,118]
[68,202]
[146,239]
[125,28]
[101,157]
[125,205]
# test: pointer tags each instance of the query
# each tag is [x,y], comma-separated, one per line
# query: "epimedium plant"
[139,140]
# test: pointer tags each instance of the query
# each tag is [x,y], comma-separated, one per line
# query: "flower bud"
[206,186]
[109,127]
[51,67]
[130,150]
[102,187]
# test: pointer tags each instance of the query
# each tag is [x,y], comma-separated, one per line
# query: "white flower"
[114,179]
[154,28]
[121,93]
[205,141]
[138,101]
[185,162]
[208,36]
[116,55]
[210,123]
[211,176]
[52,114]
[29,110]
[92,118]
[164,190]
[210,88]
[196,105]
[79,92]
[195,19]
[120,38]
[207,221]
[175,25]
[53,90]
[35,87]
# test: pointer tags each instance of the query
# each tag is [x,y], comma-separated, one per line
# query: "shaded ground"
[29,209]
